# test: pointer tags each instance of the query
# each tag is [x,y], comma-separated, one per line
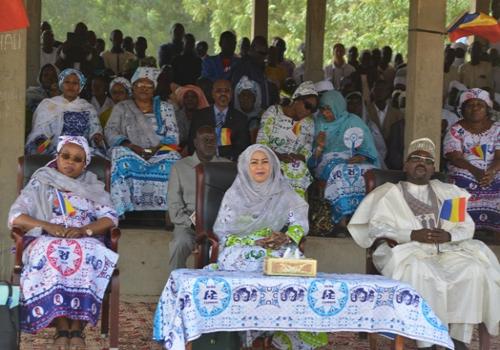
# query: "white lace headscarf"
[249,206]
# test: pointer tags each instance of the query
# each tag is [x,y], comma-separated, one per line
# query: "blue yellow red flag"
[477,23]
[454,209]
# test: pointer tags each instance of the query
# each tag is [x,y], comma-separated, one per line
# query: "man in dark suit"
[231,126]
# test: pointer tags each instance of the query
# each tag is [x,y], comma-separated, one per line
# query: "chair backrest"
[212,181]
[27,165]
[377,177]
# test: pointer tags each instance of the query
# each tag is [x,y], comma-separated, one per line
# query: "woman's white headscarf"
[79,141]
[247,84]
[147,73]
[249,206]
[122,81]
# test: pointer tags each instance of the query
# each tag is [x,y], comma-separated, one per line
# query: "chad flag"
[43,146]
[454,209]
[65,205]
[225,137]
[12,15]
[476,23]
[480,151]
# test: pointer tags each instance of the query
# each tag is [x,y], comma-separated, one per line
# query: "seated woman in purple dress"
[65,211]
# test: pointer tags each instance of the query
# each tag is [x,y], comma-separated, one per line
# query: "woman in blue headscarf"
[64,115]
[344,150]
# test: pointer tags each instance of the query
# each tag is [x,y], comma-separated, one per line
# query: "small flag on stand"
[43,146]
[480,151]
[476,23]
[453,210]
[225,137]
[66,208]
[168,148]
[296,128]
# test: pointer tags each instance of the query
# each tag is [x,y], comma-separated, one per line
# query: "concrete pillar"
[425,72]
[315,37]
[34,10]
[260,18]
[12,102]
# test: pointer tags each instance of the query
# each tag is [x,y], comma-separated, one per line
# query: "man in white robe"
[458,276]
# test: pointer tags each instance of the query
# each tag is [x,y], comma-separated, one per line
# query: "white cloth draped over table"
[461,283]
[199,301]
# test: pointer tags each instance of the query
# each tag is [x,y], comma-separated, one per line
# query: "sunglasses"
[67,156]
[416,159]
[310,106]
[144,86]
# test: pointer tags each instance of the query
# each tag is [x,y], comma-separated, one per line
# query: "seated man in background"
[182,195]
[231,126]
[458,276]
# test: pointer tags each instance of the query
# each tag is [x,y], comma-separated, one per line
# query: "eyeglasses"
[416,159]
[310,106]
[67,156]
[144,86]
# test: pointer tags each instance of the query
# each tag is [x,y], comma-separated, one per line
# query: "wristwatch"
[89,232]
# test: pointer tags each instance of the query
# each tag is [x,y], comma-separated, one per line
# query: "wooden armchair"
[27,165]
[212,181]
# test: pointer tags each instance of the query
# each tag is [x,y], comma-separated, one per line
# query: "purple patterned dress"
[479,150]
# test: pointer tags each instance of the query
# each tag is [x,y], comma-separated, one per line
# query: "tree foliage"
[363,23]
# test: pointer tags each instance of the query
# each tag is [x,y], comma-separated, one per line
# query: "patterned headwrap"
[246,84]
[424,144]
[305,89]
[77,140]
[146,72]
[123,81]
[182,90]
[67,72]
[476,93]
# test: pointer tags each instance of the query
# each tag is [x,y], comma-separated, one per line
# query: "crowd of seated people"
[155,123]
[256,96]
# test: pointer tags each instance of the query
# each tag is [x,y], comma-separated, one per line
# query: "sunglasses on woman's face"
[310,106]
[67,156]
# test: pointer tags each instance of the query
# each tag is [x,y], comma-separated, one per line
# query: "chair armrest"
[17,234]
[214,254]
[114,236]
[302,244]
[390,242]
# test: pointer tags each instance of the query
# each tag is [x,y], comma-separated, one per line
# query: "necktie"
[219,120]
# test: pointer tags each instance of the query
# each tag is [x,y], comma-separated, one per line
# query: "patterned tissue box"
[290,267]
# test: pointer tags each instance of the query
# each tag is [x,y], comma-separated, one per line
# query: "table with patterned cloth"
[201,301]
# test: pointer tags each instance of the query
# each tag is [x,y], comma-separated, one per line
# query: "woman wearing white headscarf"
[120,90]
[261,215]
[67,114]
[65,212]
[248,100]
[144,135]
[289,132]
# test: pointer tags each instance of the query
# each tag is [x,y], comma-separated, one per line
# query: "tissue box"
[290,267]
